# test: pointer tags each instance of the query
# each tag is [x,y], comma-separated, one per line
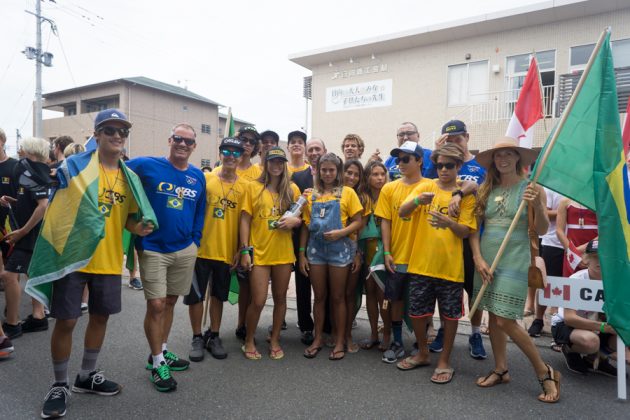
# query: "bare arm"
[481,265]
[36,217]
[572,319]
[422,199]
[561,223]
[386,236]
[244,226]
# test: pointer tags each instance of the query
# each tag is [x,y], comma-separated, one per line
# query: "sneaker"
[135,284]
[173,362]
[31,324]
[162,379]
[284,326]
[12,331]
[438,344]
[603,367]
[395,352]
[95,383]
[307,338]
[241,333]
[196,352]
[6,347]
[84,307]
[414,349]
[575,362]
[475,346]
[55,401]
[215,347]
[536,328]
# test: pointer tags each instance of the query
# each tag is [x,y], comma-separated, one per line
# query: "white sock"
[158,359]
[475,329]
[164,347]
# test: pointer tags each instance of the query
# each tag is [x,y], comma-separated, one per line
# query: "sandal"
[443,371]
[352,348]
[553,376]
[368,343]
[311,354]
[502,380]
[484,329]
[251,355]
[555,347]
[410,363]
[333,355]
[276,354]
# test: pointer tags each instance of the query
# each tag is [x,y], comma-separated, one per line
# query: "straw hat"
[528,156]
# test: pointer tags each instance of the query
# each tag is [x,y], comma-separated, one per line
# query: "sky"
[233,52]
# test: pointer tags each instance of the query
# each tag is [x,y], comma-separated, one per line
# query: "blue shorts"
[339,253]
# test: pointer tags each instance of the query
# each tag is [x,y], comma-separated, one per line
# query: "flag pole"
[543,161]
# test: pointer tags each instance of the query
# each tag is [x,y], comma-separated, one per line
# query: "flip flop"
[333,355]
[368,344]
[552,376]
[276,354]
[313,353]
[251,355]
[500,375]
[441,371]
[352,348]
[409,364]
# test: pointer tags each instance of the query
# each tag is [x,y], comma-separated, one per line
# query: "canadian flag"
[572,258]
[528,110]
[564,293]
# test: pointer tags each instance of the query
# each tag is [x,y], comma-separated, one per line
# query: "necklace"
[110,191]
[225,196]
[275,209]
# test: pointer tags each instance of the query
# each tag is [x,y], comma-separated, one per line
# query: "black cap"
[249,129]
[454,128]
[297,133]
[272,134]
[276,153]
[232,142]
[592,247]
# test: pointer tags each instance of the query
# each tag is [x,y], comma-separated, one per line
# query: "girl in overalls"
[332,214]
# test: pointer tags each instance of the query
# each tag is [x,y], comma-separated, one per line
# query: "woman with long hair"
[497,201]
[263,228]
[332,214]
[374,178]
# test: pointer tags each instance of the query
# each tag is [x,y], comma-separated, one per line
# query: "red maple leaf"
[571,257]
[556,291]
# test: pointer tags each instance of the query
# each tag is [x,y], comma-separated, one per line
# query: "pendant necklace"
[110,192]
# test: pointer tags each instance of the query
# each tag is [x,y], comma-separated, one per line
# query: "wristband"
[301,249]
[387,253]
[245,252]
[416,202]
[601,327]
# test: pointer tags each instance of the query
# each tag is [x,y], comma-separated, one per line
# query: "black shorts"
[561,333]
[18,261]
[395,286]
[217,273]
[424,291]
[554,259]
[104,297]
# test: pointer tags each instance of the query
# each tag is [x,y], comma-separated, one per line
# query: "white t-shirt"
[550,238]
[559,316]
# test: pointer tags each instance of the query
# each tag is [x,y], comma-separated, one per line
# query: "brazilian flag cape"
[73,224]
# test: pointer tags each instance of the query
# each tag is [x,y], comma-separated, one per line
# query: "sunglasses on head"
[179,139]
[110,131]
[404,159]
[227,153]
[441,166]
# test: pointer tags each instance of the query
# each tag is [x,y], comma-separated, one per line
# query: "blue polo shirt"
[178,199]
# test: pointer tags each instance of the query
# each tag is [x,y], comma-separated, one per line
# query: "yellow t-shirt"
[298,169]
[108,256]
[403,230]
[439,252]
[250,174]
[348,202]
[271,246]
[219,238]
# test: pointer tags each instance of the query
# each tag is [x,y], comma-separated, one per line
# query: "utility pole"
[18,137]
[40,58]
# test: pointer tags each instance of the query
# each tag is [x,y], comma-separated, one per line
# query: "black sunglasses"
[110,131]
[250,141]
[404,159]
[179,139]
[448,166]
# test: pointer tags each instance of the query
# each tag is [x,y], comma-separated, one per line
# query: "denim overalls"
[324,218]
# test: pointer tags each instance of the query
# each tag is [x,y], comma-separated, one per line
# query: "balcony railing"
[568,82]
[499,105]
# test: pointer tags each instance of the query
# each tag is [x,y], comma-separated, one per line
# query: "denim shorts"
[339,253]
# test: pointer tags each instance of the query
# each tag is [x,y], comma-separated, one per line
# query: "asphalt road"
[360,386]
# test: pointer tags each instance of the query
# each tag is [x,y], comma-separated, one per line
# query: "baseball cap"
[297,133]
[276,153]
[592,247]
[232,142]
[410,147]
[111,114]
[249,129]
[272,134]
[454,128]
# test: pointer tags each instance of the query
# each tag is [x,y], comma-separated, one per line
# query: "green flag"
[586,164]
[229,124]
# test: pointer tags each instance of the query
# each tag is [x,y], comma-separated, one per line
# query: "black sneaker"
[55,401]
[536,328]
[575,362]
[307,338]
[31,324]
[241,333]
[603,367]
[95,383]
[12,331]
[173,362]
[162,379]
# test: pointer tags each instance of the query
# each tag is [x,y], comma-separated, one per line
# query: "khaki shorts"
[167,274]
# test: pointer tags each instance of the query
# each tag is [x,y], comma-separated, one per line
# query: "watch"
[458,192]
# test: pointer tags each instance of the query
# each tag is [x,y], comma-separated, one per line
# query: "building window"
[467,83]
[205,128]
[99,104]
[206,162]
[516,70]
[69,110]
[580,56]
[621,53]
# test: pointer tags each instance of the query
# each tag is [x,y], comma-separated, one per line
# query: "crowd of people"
[413,232]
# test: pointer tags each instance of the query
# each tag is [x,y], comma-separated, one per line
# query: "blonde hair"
[354,137]
[285,193]
[35,146]
[73,149]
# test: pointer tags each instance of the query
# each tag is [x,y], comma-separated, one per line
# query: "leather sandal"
[553,376]
[481,381]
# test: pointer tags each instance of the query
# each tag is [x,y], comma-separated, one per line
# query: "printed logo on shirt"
[6,180]
[190,180]
[473,178]
[105,208]
[175,191]
[175,203]
[219,201]
[218,213]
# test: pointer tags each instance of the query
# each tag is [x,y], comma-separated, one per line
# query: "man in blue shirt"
[176,191]
[407,131]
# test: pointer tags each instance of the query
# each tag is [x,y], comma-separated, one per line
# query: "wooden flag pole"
[543,161]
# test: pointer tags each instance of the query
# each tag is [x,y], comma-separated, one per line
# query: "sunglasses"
[448,166]
[404,159]
[110,131]
[179,139]
[250,141]
[227,153]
